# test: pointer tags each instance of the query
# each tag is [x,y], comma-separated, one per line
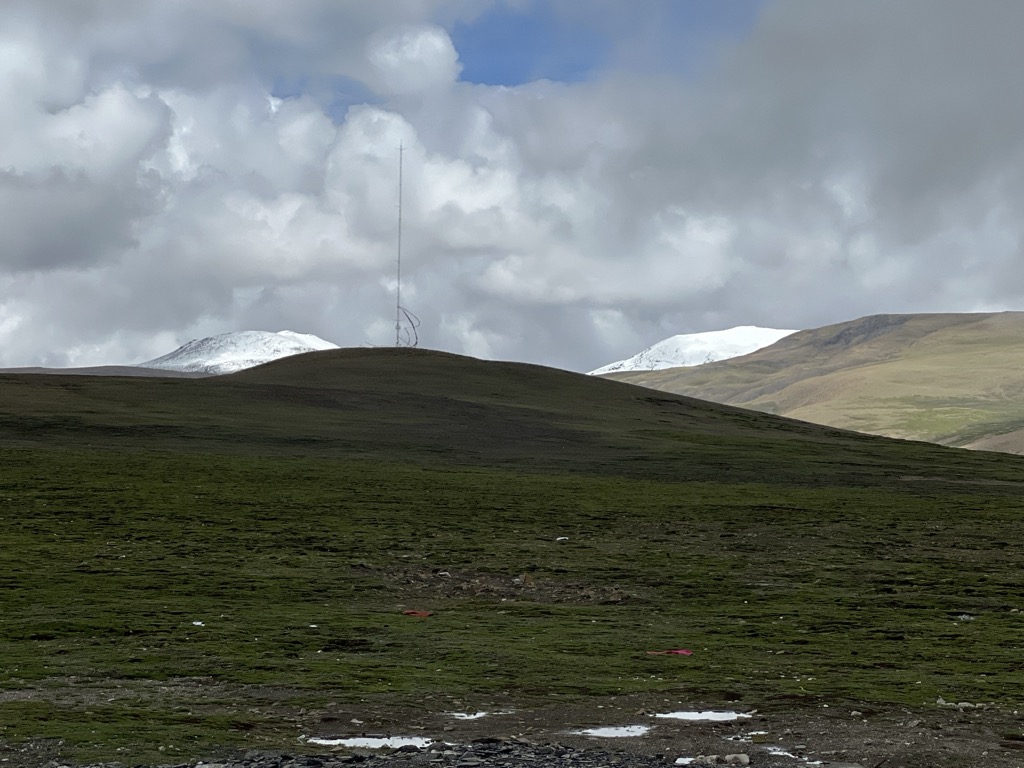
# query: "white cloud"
[413,59]
[172,170]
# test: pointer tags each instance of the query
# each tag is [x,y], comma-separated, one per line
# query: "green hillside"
[224,562]
[955,379]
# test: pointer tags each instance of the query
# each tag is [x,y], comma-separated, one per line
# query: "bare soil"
[839,735]
[941,737]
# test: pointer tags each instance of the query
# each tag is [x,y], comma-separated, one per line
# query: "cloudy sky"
[580,179]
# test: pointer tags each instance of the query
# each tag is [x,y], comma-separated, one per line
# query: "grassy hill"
[225,562]
[954,379]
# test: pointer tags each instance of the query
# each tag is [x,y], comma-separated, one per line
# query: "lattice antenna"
[406,334]
[398,284]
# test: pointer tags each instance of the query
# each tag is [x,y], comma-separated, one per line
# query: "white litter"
[477,715]
[748,736]
[615,732]
[780,752]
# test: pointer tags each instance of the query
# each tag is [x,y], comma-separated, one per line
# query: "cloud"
[413,59]
[169,171]
[70,189]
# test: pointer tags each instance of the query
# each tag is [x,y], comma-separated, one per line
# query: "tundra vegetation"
[196,564]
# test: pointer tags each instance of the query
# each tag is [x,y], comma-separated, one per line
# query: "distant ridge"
[953,379]
[106,370]
[236,351]
[691,349]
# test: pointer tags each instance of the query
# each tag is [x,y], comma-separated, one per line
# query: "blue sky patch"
[569,43]
[505,46]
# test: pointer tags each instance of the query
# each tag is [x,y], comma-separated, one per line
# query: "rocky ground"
[835,737]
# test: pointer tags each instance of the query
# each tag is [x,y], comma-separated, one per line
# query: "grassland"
[202,564]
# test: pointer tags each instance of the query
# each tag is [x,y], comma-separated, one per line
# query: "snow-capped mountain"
[230,352]
[691,349]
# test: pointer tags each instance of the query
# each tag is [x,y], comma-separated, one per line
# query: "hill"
[953,379]
[420,405]
[236,351]
[235,562]
[697,349]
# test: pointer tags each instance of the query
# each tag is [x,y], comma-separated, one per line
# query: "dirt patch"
[448,583]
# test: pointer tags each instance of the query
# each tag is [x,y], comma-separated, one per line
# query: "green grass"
[297,522]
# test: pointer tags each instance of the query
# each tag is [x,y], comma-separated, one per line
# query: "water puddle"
[383,742]
[615,732]
[704,716]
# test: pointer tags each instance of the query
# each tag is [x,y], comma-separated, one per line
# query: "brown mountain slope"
[955,379]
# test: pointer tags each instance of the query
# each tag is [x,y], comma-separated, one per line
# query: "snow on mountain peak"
[691,349]
[236,351]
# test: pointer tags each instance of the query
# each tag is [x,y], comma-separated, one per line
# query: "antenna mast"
[409,336]
[398,284]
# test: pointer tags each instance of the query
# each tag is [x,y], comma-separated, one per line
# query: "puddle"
[615,732]
[384,742]
[708,715]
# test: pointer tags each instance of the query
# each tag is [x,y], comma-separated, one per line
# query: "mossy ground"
[199,599]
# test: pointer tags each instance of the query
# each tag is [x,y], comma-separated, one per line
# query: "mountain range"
[953,379]
[239,350]
[698,349]
[231,352]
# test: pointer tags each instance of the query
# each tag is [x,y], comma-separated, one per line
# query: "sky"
[579,180]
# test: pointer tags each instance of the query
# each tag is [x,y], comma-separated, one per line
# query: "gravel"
[485,753]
